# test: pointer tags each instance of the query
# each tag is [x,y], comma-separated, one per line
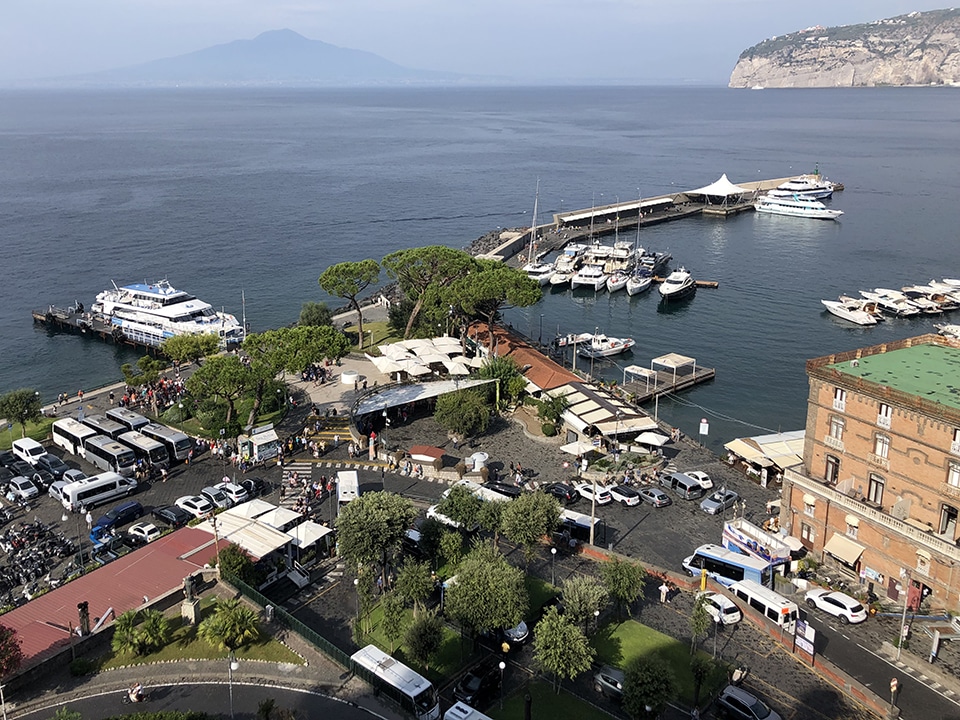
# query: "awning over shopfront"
[403,394]
[844,549]
[306,534]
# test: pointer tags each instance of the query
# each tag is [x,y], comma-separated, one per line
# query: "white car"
[74,476]
[721,608]
[144,532]
[701,477]
[624,494]
[196,505]
[586,490]
[844,607]
[22,488]
[217,497]
[233,491]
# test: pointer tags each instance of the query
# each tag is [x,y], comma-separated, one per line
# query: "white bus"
[128,418]
[70,434]
[104,426]
[147,449]
[462,711]
[414,692]
[110,455]
[89,492]
[348,486]
[178,444]
[771,605]
[727,567]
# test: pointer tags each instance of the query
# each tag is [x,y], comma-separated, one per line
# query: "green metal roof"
[930,372]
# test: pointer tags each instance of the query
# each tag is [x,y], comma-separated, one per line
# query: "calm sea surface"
[259,190]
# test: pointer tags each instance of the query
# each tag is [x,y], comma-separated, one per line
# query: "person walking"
[664,591]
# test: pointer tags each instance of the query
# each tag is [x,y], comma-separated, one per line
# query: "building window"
[807,533]
[839,399]
[832,474]
[923,563]
[875,490]
[852,530]
[948,521]
[955,445]
[836,428]
[881,446]
[884,415]
[808,509]
[953,474]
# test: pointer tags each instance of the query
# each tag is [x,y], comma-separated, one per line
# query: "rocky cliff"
[922,48]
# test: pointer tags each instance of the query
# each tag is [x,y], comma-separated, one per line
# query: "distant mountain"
[921,48]
[277,57]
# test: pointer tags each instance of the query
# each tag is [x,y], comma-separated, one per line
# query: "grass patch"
[375,333]
[540,591]
[546,704]
[617,644]
[39,431]
[446,663]
[185,645]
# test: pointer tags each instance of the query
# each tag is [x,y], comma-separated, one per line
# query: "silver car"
[717,502]
[609,681]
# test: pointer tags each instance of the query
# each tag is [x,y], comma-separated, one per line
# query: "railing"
[950,490]
[878,461]
[839,405]
[833,443]
[883,421]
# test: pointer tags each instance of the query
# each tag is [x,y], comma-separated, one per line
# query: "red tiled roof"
[427,451]
[42,624]
[543,372]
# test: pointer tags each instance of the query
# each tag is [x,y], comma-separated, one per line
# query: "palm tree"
[125,635]
[154,631]
[231,626]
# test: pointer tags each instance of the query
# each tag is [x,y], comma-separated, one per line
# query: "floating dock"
[83,323]
[666,374]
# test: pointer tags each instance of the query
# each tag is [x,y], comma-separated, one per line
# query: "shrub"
[548,429]
[81,666]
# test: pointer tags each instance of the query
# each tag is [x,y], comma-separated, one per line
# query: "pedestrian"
[383,473]
[111,397]
[456,442]
[336,441]
[664,589]
[163,474]
[80,395]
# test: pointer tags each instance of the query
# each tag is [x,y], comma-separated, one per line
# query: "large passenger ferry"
[151,313]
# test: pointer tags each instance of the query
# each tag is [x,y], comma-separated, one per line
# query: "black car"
[562,492]
[21,468]
[7,458]
[53,465]
[42,479]
[510,491]
[479,684]
[254,486]
[172,516]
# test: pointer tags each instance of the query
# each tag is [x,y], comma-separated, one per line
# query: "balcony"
[948,490]
[878,461]
[839,405]
[883,421]
[955,447]
[833,443]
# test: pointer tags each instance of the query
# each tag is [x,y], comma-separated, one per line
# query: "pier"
[666,374]
[82,323]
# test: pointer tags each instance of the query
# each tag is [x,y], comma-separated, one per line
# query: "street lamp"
[216,540]
[553,566]
[540,338]
[503,666]
[63,518]
[231,667]
[596,620]
[180,406]
[716,629]
[356,586]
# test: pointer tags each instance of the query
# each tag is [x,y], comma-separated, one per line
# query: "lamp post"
[905,584]
[503,666]
[180,406]
[553,566]
[596,620]
[216,540]
[716,629]
[231,667]
[593,509]
[540,337]
[356,586]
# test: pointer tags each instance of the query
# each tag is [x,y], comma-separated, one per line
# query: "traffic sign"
[894,686]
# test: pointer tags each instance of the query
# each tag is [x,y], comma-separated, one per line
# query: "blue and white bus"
[727,567]
[414,692]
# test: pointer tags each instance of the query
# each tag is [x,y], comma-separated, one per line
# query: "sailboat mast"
[636,243]
[533,225]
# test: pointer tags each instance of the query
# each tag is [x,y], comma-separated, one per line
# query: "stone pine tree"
[648,682]
[623,580]
[348,280]
[560,647]
[699,622]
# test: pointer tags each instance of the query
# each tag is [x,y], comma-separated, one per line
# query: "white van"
[348,486]
[28,450]
[775,607]
[462,711]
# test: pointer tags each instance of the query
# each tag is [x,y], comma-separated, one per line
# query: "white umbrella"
[386,365]
[434,357]
[395,351]
[578,448]
[652,438]
[455,368]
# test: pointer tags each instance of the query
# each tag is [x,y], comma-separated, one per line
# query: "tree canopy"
[145,372]
[583,596]
[560,647]
[623,580]
[11,654]
[530,517]
[491,288]
[489,594]
[648,681]
[232,625]
[373,525]
[461,506]
[315,313]
[465,412]
[223,377]
[348,280]
[190,348]
[21,406]
[424,638]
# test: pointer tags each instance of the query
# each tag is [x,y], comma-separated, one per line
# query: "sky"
[672,41]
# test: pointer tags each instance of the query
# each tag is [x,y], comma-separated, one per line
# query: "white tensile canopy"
[652,438]
[722,188]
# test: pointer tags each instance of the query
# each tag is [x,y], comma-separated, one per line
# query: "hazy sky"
[631,40]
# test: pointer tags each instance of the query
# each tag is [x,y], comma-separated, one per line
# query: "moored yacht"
[813,187]
[796,206]
[897,304]
[539,271]
[677,285]
[590,275]
[639,282]
[617,281]
[603,346]
[149,313]
[851,312]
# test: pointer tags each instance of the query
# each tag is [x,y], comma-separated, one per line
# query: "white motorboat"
[653,261]
[896,304]
[149,313]
[561,277]
[943,295]
[540,272]
[573,339]
[796,206]
[868,306]
[617,281]
[849,312]
[590,275]
[639,282]
[921,298]
[603,346]
[678,284]
[947,330]
[812,187]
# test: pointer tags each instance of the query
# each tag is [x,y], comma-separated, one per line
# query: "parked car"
[53,465]
[721,608]
[115,548]
[655,496]
[22,488]
[737,703]
[719,501]
[120,515]
[586,491]
[254,486]
[7,457]
[479,684]
[42,479]
[236,493]
[20,467]
[844,607]
[701,477]
[217,497]
[562,492]
[510,491]
[55,490]
[196,505]
[172,516]
[609,681]
[144,532]
[686,487]
[73,475]
[625,494]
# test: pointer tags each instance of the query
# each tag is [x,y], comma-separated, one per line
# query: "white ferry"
[151,313]
[797,207]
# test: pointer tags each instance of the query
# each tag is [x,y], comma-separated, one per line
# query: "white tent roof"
[278,517]
[652,438]
[580,447]
[251,509]
[403,394]
[306,534]
[721,188]
[253,536]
